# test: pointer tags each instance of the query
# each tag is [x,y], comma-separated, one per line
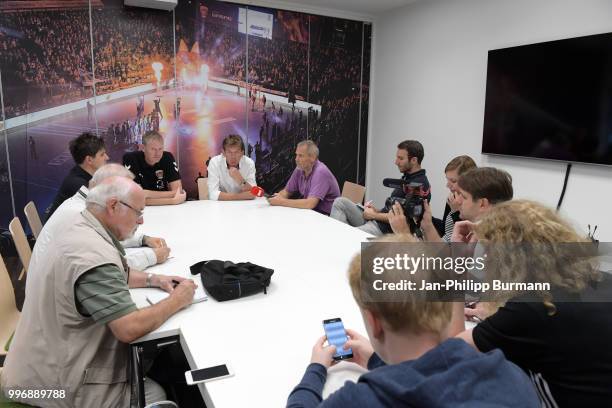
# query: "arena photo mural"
[197,74]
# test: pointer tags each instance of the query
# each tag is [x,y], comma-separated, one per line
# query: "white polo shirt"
[219,179]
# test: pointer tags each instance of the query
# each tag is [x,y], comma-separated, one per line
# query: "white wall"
[429,80]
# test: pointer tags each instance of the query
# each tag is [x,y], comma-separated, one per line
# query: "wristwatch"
[149,280]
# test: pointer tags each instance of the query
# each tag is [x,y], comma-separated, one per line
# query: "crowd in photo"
[325,75]
[34,46]
[36,73]
[126,43]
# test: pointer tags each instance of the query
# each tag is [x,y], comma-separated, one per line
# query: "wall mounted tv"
[551,100]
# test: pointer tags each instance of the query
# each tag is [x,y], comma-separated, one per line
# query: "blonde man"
[156,171]
[412,361]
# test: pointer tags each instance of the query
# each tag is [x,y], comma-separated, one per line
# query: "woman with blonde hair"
[558,335]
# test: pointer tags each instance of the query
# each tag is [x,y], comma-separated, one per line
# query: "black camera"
[412,203]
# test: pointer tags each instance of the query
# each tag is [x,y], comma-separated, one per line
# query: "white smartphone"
[212,373]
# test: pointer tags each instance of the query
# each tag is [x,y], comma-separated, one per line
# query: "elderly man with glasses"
[78,317]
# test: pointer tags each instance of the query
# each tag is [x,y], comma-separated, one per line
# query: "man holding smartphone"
[412,361]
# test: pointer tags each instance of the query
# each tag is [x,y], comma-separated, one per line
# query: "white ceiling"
[356,9]
[371,7]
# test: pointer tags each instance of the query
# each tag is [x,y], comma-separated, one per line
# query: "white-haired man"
[141,251]
[78,317]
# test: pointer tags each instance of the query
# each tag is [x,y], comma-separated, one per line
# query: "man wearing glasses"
[79,293]
[231,174]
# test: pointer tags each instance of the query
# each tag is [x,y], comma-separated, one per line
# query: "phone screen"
[209,372]
[336,335]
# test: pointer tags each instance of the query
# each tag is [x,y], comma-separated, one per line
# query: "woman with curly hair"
[560,337]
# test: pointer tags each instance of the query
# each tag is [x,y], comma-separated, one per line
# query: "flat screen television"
[551,100]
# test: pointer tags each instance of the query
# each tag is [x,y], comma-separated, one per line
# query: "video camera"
[412,203]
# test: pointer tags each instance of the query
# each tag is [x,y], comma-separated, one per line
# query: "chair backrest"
[203,188]
[31,214]
[9,315]
[21,242]
[353,192]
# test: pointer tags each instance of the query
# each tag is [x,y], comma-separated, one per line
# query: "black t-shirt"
[416,177]
[71,184]
[154,177]
[568,355]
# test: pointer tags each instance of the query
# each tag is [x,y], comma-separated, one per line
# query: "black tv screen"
[551,100]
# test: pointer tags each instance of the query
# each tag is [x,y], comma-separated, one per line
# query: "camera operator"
[376,222]
[478,189]
[431,231]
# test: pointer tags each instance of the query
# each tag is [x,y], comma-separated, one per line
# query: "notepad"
[158,296]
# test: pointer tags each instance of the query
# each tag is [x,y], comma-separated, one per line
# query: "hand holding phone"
[361,347]
[207,374]
[336,335]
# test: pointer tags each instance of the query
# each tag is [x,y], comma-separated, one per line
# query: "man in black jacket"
[89,155]
[408,160]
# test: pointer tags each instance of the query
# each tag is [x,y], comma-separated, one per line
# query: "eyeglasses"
[138,213]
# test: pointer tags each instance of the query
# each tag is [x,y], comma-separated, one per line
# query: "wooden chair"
[353,192]
[31,214]
[21,243]
[9,315]
[203,188]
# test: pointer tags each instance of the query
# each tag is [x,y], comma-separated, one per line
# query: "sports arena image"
[292,77]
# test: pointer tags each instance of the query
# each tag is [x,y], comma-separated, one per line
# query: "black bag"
[225,280]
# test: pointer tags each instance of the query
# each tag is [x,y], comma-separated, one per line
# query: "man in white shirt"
[141,251]
[231,174]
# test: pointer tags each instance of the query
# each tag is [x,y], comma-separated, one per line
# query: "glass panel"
[134,67]
[278,74]
[46,62]
[335,74]
[210,65]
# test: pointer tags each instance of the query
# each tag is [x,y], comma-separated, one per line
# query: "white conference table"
[266,338]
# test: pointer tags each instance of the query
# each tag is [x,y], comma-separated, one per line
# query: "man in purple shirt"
[313,183]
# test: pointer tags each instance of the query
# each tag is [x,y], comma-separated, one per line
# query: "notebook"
[158,296]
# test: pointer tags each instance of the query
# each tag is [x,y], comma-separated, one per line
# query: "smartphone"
[360,207]
[336,335]
[208,374]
